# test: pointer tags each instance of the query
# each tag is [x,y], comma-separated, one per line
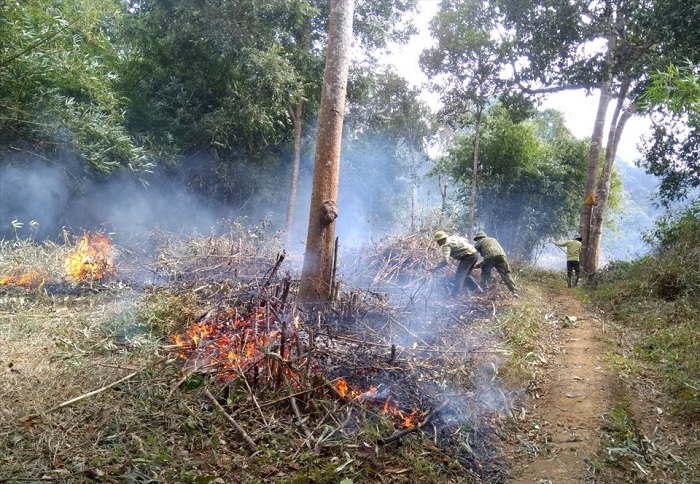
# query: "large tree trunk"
[315,285]
[617,126]
[594,152]
[298,122]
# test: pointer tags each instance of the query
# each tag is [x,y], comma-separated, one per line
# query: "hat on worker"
[578,237]
[480,235]
[439,235]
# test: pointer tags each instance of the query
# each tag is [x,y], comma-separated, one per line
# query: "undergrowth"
[657,298]
[91,394]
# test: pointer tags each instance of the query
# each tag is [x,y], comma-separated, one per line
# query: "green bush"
[657,298]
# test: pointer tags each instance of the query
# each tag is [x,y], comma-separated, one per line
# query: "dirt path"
[576,392]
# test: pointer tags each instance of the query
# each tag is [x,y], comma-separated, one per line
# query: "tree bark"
[315,284]
[594,152]
[475,167]
[603,190]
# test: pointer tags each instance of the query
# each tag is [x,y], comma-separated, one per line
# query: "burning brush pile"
[418,367]
[86,262]
[356,383]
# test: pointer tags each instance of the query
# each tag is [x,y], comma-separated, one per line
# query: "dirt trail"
[575,394]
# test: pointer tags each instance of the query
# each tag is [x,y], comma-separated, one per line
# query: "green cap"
[480,235]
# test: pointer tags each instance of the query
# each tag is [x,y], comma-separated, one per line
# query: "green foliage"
[677,231]
[530,178]
[671,153]
[657,297]
[467,59]
[166,312]
[221,75]
[58,82]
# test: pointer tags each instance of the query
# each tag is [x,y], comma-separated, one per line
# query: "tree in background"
[387,128]
[315,284]
[377,21]
[673,151]
[59,85]
[531,176]
[609,46]
[466,64]
[226,89]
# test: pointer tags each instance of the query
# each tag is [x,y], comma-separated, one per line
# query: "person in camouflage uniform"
[458,248]
[494,256]
[573,254]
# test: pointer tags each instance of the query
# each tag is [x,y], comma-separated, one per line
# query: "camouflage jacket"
[489,247]
[455,247]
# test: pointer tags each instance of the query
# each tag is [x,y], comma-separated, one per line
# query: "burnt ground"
[589,419]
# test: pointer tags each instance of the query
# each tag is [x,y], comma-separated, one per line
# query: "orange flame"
[32,279]
[90,259]
[388,408]
[237,345]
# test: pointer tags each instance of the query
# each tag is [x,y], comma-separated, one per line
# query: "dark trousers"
[463,273]
[572,267]
[501,264]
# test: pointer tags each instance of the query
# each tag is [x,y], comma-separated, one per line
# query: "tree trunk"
[594,152]
[443,199]
[297,118]
[603,190]
[475,167]
[315,284]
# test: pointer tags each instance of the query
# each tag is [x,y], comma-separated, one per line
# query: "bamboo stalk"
[94,392]
[242,433]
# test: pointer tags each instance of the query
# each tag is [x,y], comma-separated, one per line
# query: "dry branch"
[242,433]
[402,433]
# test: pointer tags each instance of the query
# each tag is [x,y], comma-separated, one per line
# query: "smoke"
[374,198]
[31,191]
[58,198]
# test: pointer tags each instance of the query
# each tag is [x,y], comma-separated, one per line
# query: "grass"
[655,303]
[662,331]
[63,340]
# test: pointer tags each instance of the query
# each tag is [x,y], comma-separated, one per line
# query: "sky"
[578,108]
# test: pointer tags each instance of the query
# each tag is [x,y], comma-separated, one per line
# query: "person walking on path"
[494,257]
[573,254]
[458,248]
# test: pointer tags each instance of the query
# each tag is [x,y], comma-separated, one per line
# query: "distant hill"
[623,240]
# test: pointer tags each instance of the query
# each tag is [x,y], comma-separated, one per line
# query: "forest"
[216,242]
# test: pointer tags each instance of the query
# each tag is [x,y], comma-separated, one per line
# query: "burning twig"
[242,433]
[402,433]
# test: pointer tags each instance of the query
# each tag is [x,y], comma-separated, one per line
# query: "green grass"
[663,330]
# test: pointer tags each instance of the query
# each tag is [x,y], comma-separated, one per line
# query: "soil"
[577,389]
[566,425]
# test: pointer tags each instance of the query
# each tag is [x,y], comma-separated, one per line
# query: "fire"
[239,346]
[32,279]
[90,259]
[390,408]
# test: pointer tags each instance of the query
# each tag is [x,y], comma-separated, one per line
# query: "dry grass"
[65,340]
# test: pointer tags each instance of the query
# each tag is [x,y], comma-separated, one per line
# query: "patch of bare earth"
[566,411]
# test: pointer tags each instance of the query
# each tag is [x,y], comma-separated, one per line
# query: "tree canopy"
[531,178]
[59,83]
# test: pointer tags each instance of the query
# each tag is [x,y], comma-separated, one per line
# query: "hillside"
[175,379]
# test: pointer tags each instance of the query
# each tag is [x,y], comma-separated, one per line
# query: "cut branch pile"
[395,259]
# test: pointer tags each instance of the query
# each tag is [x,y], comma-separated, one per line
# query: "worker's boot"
[575,280]
[568,280]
